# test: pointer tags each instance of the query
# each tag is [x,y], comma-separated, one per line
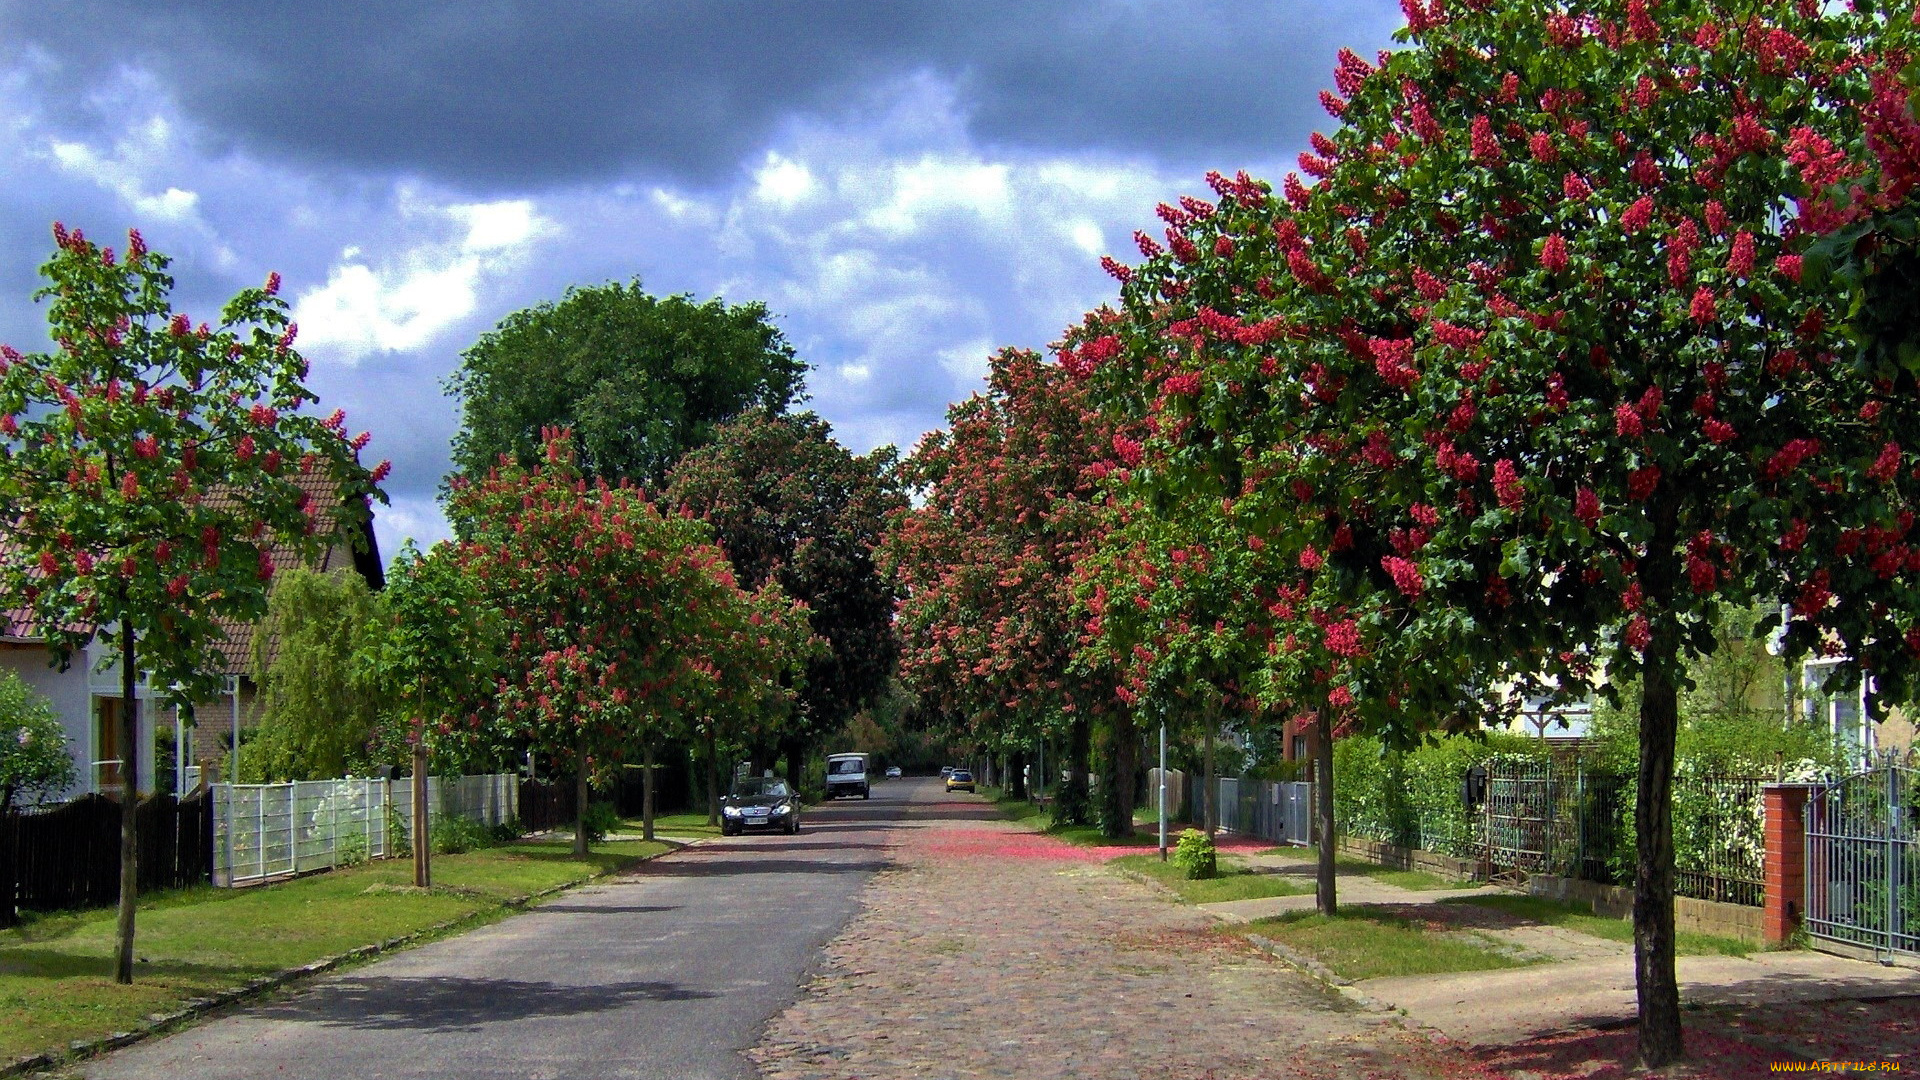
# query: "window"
[1842,712]
[846,767]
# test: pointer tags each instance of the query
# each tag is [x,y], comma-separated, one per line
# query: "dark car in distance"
[760,802]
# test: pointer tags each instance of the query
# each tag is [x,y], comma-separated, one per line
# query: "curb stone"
[193,1008]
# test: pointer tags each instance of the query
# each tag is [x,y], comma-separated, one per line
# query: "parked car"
[959,780]
[893,772]
[946,771]
[760,802]
[847,775]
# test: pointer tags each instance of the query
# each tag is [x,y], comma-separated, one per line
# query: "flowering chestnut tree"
[1558,251]
[149,464]
[988,561]
[600,593]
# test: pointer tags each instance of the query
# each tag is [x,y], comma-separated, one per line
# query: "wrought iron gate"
[1863,861]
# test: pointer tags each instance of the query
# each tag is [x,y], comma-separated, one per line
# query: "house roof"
[361,554]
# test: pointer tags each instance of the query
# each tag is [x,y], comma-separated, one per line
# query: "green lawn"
[56,974]
[1582,920]
[1361,944]
[692,823]
[1418,880]
[1027,813]
[1235,882]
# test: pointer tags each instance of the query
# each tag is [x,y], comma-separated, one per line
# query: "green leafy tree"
[149,464]
[35,763]
[433,657]
[319,713]
[639,380]
[789,504]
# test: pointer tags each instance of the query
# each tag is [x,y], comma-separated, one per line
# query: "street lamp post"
[1163,791]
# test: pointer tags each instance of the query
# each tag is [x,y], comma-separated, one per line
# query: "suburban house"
[87,693]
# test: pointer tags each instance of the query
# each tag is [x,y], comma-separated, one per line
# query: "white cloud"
[968,360]
[129,170]
[683,209]
[496,225]
[783,181]
[1088,238]
[409,300]
[935,186]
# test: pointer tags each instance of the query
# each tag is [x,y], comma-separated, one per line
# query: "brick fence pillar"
[1786,860]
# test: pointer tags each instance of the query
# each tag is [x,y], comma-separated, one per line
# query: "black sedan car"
[760,802]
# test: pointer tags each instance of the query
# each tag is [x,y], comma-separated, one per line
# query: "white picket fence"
[263,831]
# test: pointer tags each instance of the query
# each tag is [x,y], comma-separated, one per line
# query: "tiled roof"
[236,638]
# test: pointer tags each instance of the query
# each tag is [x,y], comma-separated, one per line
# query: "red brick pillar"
[1786,860]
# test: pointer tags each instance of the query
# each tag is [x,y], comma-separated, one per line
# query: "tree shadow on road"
[457,1004]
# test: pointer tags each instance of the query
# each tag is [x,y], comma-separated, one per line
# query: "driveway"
[670,971]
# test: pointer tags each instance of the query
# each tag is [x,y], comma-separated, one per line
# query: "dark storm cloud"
[494,95]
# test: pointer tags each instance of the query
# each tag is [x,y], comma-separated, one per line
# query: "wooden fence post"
[422,841]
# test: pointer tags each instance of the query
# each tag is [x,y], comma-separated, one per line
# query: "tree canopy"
[789,504]
[638,379]
[319,712]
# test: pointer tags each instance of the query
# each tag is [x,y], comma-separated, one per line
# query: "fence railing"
[264,831]
[1278,811]
[1570,820]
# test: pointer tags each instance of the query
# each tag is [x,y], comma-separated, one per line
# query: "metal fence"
[1863,861]
[1567,819]
[1280,812]
[263,831]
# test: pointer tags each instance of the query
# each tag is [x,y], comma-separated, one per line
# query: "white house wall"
[72,694]
[72,702]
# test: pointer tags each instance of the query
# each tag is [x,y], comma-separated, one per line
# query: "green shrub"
[603,818]
[1195,855]
[457,835]
[351,850]
[508,831]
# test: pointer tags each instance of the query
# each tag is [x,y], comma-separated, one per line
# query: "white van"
[847,775]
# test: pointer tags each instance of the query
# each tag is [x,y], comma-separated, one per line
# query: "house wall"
[212,731]
[67,690]
[72,694]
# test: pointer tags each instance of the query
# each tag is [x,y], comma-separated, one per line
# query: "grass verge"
[56,970]
[1037,817]
[1417,880]
[1235,882]
[690,824]
[1539,909]
[1360,944]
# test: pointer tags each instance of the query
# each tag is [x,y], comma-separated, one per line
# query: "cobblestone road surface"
[990,951]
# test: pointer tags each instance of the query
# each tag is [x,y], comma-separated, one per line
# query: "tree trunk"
[580,797]
[796,753]
[646,791]
[1653,938]
[129,809]
[1017,775]
[713,780]
[1072,806]
[1116,818]
[1323,880]
[422,825]
[1210,791]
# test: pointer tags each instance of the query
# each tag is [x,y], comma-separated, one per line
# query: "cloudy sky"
[907,184]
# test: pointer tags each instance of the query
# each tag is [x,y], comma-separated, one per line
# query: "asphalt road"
[668,972]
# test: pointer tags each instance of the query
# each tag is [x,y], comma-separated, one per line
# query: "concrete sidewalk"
[1586,981]
[1486,1008]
